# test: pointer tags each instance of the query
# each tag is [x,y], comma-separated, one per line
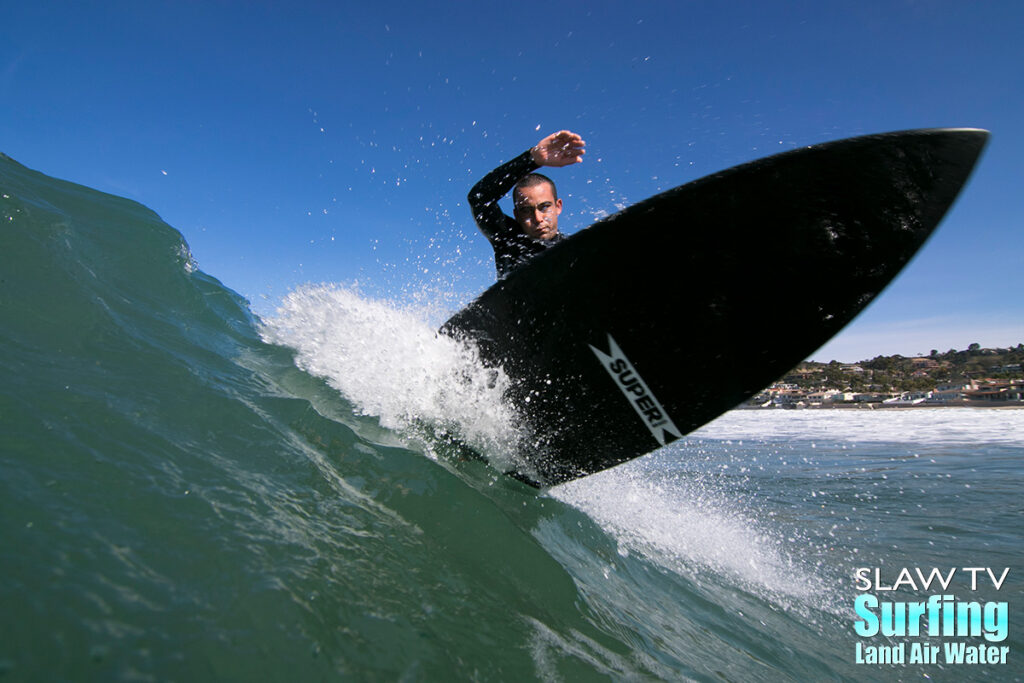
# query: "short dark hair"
[532,179]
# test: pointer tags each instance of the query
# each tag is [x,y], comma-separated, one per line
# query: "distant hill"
[900,373]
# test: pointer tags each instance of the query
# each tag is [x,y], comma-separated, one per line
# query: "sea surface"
[188,492]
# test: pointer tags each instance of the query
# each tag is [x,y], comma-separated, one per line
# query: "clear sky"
[336,141]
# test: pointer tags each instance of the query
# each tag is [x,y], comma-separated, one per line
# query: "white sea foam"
[391,364]
[901,425]
[689,528]
[684,524]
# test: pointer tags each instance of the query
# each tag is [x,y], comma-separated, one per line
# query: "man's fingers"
[570,140]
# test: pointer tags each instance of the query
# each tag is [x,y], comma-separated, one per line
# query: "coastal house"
[909,398]
[952,391]
[823,396]
[788,399]
[998,393]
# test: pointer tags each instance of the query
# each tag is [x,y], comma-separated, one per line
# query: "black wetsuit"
[512,246]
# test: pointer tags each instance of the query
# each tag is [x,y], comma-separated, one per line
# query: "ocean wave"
[916,426]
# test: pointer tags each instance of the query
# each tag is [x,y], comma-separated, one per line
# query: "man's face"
[537,210]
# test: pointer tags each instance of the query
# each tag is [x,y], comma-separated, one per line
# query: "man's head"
[537,206]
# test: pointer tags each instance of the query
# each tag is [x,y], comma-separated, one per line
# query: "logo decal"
[637,393]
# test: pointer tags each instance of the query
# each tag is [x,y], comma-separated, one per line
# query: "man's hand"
[559,149]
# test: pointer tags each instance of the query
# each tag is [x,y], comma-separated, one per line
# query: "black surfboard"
[654,321]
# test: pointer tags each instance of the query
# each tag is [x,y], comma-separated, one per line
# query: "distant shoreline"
[888,406]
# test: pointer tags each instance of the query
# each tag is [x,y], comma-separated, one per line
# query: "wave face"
[189,492]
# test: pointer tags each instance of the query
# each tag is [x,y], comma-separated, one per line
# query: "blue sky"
[336,142]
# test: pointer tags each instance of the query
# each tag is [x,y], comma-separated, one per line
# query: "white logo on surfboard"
[637,393]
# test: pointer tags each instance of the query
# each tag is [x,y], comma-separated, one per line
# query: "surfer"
[537,206]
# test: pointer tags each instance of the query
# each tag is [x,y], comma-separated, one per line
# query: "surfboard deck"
[656,320]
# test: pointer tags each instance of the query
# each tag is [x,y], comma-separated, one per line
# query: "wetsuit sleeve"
[483,198]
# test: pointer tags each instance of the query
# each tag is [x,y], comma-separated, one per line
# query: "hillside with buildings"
[974,376]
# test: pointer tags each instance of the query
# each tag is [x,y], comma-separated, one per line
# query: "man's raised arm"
[484,196]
